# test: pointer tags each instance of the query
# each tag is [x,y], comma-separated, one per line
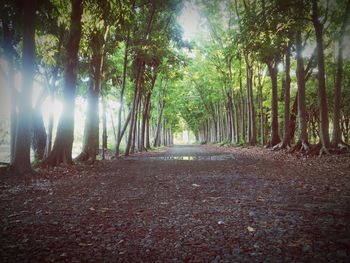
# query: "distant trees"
[277,34]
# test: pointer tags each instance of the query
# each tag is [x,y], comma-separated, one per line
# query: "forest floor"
[182,204]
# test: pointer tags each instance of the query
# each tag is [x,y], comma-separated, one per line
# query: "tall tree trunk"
[302,122]
[336,136]
[322,94]
[136,122]
[10,53]
[249,121]
[148,132]
[89,150]
[62,149]
[132,123]
[261,108]
[121,100]
[251,109]
[21,161]
[91,131]
[242,108]
[144,121]
[286,127]
[134,107]
[274,137]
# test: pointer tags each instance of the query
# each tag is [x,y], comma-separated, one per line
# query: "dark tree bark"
[21,161]
[303,142]
[336,136]
[10,54]
[274,137]
[144,119]
[261,108]
[159,123]
[62,149]
[293,118]
[242,108]
[286,128]
[322,94]
[251,109]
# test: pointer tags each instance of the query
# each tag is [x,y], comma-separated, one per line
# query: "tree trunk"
[133,108]
[261,108]
[251,109]
[148,135]
[91,130]
[336,136]
[10,53]
[21,161]
[322,94]
[274,139]
[125,126]
[144,120]
[159,123]
[286,124]
[90,150]
[104,129]
[242,108]
[62,149]
[121,100]
[38,134]
[302,123]
[293,118]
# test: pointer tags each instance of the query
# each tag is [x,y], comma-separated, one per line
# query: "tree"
[97,33]
[322,95]
[21,159]
[336,136]
[62,148]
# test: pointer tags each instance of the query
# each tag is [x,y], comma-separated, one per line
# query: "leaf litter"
[259,206]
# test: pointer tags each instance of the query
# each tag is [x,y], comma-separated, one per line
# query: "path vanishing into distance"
[181,204]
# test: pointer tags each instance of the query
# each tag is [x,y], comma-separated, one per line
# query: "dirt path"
[186,204]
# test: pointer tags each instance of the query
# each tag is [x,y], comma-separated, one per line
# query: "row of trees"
[270,68]
[251,80]
[105,50]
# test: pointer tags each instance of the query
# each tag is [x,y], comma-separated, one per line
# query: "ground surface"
[186,204]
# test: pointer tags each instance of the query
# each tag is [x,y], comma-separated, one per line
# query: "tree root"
[340,148]
[302,147]
[281,146]
[10,170]
[55,158]
[85,157]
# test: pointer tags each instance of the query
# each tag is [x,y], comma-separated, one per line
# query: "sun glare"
[190,21]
